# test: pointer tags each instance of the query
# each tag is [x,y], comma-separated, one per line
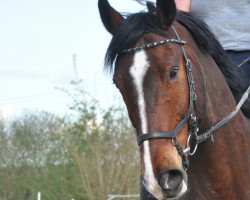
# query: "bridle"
[189,116]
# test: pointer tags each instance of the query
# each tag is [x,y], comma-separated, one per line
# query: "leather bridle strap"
[192,97]
[154,44]
[209,134]
[163,134]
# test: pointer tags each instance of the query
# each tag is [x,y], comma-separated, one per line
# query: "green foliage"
[84,158]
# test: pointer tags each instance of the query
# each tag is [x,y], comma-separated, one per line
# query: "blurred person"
[229,21]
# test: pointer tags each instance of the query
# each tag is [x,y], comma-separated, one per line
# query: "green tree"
[86,156]
[104,149]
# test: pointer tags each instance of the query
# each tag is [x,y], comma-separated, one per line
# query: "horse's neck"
[221,169]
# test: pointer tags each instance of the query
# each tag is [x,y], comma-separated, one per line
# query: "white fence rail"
[115,196]
[110,197]
[39,196]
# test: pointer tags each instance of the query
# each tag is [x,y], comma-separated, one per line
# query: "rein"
[189,117]
[209,134]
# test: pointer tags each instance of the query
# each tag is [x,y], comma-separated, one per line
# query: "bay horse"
[178,85]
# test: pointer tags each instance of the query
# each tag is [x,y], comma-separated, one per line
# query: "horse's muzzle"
[171,183]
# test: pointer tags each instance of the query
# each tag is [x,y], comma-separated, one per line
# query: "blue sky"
[38,40]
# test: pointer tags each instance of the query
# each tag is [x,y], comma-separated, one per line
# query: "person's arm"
[183,5]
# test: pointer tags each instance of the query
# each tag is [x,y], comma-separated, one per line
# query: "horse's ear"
[165,12]
[111,19]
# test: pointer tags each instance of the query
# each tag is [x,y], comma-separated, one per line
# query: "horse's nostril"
[171,180]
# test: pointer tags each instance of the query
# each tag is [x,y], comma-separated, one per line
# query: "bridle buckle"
[189,151]
[193,123]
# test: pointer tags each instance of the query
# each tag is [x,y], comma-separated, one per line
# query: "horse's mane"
[140,23]
[134,26]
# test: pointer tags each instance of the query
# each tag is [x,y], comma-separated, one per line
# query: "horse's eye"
[173,72]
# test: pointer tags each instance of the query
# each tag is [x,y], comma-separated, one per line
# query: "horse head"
[152,70]
[154,86]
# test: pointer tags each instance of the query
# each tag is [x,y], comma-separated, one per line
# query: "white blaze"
[138,71]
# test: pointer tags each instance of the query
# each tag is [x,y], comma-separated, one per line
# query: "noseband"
[189,117]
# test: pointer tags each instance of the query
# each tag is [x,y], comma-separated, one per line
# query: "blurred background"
[45,45]
[64,131]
